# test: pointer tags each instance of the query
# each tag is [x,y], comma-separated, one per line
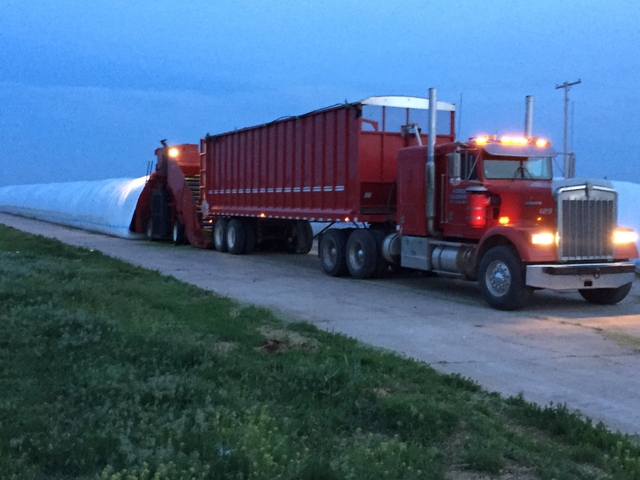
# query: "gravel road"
[560,349]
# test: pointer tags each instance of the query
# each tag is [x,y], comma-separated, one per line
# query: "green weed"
[109,371]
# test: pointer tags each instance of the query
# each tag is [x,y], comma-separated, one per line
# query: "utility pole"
[567,86]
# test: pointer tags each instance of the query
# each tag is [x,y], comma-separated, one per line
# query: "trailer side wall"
[322,166]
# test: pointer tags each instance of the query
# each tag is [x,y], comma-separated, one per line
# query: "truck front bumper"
[572,276]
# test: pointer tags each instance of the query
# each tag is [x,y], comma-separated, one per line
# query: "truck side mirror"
[455,167]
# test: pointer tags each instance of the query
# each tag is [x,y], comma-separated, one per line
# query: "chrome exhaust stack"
[431,165]
[528,118]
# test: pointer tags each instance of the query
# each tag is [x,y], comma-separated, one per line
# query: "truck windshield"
[519,168]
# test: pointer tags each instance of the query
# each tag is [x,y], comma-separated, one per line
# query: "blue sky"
[87,89]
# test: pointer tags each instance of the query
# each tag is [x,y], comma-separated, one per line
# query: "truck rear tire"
[220,234]
[362,254]
[178,233]
[502,279]
[236,237]
[606,296]
[382,265]
[333,247]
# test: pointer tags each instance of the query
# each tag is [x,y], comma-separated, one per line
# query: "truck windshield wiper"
[522,172]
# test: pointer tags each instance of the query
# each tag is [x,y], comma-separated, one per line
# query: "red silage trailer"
[338,164]
[328,165]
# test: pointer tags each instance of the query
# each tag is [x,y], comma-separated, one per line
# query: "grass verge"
[110,371]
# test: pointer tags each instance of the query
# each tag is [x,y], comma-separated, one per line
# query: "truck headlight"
[624,235]
[545,238]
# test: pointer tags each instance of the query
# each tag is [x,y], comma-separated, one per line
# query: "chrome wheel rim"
[498,278]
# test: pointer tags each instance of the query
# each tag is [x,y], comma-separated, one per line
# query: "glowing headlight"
[543,238]
[173,152]
[624,236]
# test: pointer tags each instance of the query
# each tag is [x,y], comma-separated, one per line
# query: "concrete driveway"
[560,349]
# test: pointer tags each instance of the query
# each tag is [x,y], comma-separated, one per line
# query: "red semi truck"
[486,209]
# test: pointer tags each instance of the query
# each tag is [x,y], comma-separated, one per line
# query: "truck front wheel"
[606,296]
[502,279]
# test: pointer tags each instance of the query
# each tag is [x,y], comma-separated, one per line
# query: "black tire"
[250,237]
[299,237]
[289,238]
[220,234]
[382,265]
[304,234]
[606,296]
[236,237]
[332,251]
[502,279]
[178,233]
[362,254]
[149,229]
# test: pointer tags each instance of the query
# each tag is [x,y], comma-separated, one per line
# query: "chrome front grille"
[587,217]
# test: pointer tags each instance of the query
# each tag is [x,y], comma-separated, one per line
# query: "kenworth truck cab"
[494,213]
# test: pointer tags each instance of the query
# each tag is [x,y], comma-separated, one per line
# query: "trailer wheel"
[333,246]
[220,234]
[300,239]
[502,279]
[178,233]
[362,254]
[250,237]
[236,237]
[606,296]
